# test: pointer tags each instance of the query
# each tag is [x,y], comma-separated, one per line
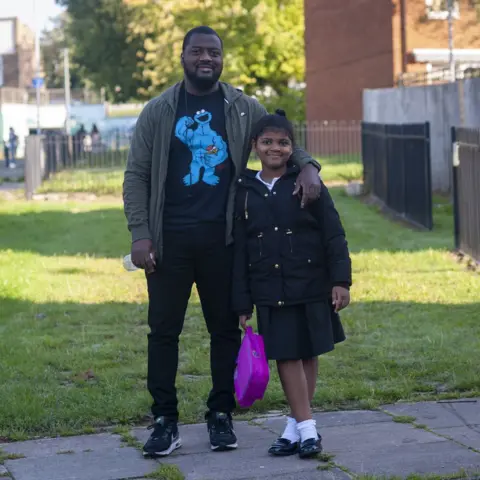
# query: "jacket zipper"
[260,242]
[289,235]
[246,206]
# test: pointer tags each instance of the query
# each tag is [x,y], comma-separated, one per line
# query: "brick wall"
[349,47]
[18,67]
[425,33]
[10,70]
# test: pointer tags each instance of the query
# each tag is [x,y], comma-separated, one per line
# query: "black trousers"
[193,255]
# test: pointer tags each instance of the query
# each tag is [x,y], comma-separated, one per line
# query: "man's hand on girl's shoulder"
[308,185]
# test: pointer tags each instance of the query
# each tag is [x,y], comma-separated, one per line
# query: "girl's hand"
[340,298]
[244,319]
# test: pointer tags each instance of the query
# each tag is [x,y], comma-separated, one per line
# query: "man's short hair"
[202,30]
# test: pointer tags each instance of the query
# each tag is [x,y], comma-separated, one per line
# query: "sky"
[24,9]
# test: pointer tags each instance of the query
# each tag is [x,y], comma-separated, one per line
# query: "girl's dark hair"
[276,121]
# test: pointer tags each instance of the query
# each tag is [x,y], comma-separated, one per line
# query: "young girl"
[293,264]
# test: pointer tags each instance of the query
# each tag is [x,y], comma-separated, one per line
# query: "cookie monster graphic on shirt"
[208,147]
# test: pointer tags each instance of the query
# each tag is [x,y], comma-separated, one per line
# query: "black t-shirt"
[199,165]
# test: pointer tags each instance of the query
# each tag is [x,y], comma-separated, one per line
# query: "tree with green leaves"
[52,44]
[136,45]
[103,45]
[263,40]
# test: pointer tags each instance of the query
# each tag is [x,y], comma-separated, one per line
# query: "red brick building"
[356,44]
[17,49]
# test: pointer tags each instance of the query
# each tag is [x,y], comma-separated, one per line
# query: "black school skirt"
[299,332]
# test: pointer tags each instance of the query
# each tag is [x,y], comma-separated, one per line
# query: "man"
[189,146]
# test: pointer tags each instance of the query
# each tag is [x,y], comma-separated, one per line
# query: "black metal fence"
[466,190]
[337,142]
[397,169]
[84,151]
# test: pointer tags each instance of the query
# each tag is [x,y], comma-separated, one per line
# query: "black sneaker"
[220,429]
[164,438]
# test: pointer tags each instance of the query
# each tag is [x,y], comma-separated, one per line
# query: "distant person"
[6,153]
[78,139]
[292,264]
[96,138]
[12,147]
[189,146]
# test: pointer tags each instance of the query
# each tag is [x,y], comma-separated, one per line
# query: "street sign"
[37,82]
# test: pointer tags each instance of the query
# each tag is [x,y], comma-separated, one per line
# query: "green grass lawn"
[73,322]
[108,181]
[100,181]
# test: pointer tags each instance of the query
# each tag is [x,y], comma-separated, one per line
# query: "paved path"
[426,438]
[12,173]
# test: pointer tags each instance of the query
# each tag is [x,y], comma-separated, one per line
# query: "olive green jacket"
[144,180]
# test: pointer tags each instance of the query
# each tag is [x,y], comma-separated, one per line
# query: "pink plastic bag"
[252,373]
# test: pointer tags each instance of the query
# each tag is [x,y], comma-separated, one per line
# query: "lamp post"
[37,79]
[450,41]
[66,69]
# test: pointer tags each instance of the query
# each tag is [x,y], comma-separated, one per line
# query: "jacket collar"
[230,93]
[292,170]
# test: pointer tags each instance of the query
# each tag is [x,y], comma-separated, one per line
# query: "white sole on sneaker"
[222,448]
[174,446]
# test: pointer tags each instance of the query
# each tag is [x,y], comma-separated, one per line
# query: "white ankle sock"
[307,429]
[291,432]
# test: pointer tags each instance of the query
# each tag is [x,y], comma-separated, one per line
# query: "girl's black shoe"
[310,447]
[282,447]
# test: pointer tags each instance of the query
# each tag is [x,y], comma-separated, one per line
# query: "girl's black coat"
[285,255]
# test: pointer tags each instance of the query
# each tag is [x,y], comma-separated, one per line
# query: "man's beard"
[202,83]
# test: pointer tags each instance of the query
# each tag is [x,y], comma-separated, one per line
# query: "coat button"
[274,193]
[280,303]
[309,261]
[239,180]
[277,265]
[266,195]
[276,229]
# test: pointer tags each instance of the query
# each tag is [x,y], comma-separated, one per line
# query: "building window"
[438,9]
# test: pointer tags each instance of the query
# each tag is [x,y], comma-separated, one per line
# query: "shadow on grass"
[67,367]
[99,233]
[102,232]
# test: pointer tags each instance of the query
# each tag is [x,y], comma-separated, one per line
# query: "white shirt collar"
[268,185]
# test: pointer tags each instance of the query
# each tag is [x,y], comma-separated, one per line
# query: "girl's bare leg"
[310,367]
[296,388]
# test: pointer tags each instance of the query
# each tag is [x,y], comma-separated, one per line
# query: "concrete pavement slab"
[403,460]
[248,464]
[328,419]
[375,437]
[50,446]
[111,464]
[432,414]
[468,410]
[465,435]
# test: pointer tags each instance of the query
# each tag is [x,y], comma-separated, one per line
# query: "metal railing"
[85,151]
[341,139]
[337,141]
[466,186]
[397,169]
[436,76]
